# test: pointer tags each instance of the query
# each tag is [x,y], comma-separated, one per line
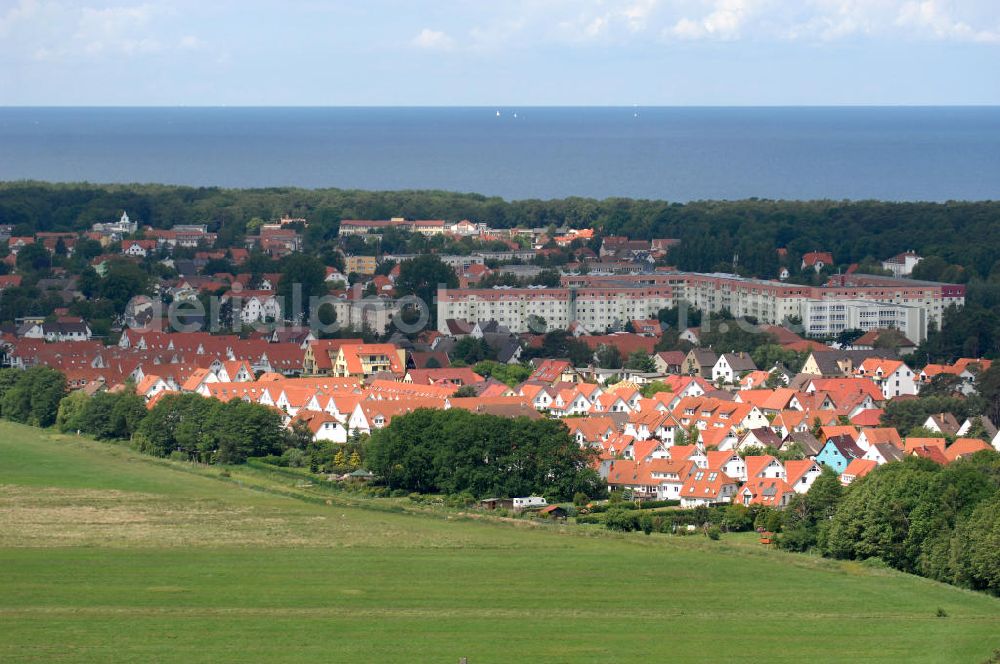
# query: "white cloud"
[116,30]
[61,30]
[725,20]
[596,26]
[623,21]
[637,14]
[930,17]
[607,20]
[433,40]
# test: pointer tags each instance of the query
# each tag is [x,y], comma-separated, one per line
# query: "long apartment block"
[600,302]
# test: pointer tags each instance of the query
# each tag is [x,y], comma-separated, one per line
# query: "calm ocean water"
[671,153]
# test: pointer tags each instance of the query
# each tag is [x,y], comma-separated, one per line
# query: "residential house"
[729,462]
[730,366]
[935,454]
[944,423]
[457,376]
[869,340]
[838,452]
[883,453]
[963,447]
[817,260]
[770,492]
[879,435]
[700,362]
[832,363]
[138,248]
[323,425]
[364,360]
[804,441]
[764,466]
[856,469]
[762,437]
[555,371]
[320,354]
[979,423]
[801,473]
[669,361]
[650,327]
[901,265]
[707,487]
[253,306]
[892,376]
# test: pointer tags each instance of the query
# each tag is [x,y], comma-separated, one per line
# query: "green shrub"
[293,458]
[654,504]
[714,532]
[646,523]
[597,509]
[736,518]
[621,520]
[875,563]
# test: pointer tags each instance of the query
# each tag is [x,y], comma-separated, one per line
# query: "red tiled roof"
[858,468]
[964,447]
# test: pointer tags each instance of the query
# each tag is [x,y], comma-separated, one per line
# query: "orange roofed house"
[363,360]
[817,260]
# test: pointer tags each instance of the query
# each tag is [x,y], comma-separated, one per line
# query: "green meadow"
[109,556]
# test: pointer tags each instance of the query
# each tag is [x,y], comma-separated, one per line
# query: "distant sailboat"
[515,116]
[498,113]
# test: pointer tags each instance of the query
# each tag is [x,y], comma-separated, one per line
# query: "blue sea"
[679,154]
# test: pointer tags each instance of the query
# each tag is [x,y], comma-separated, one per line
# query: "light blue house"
[838,452]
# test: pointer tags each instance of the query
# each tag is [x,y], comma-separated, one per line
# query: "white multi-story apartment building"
[598,308]
[600,302]
[831,317]
[372,312]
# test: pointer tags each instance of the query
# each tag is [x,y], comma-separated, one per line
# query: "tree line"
[711,231]
[457,452]
[733,236]
[181,426]
[941,522]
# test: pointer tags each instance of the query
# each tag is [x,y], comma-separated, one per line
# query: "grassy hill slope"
[109,556]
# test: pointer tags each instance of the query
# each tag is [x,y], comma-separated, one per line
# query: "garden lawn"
[109,556]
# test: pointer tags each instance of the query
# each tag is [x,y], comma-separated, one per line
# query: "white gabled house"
[730,366]
[706,487]
[893,377]
[800,474]
[764,467]
[569,403]
[729,462]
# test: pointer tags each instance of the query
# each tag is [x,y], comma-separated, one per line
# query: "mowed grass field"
[108,556]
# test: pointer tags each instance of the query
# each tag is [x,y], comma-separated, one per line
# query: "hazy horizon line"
[493,106]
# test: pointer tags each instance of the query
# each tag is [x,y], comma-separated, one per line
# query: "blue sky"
[471,52]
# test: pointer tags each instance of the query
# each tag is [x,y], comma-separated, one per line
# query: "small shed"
[496,503]
[361,475]
[553,512]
